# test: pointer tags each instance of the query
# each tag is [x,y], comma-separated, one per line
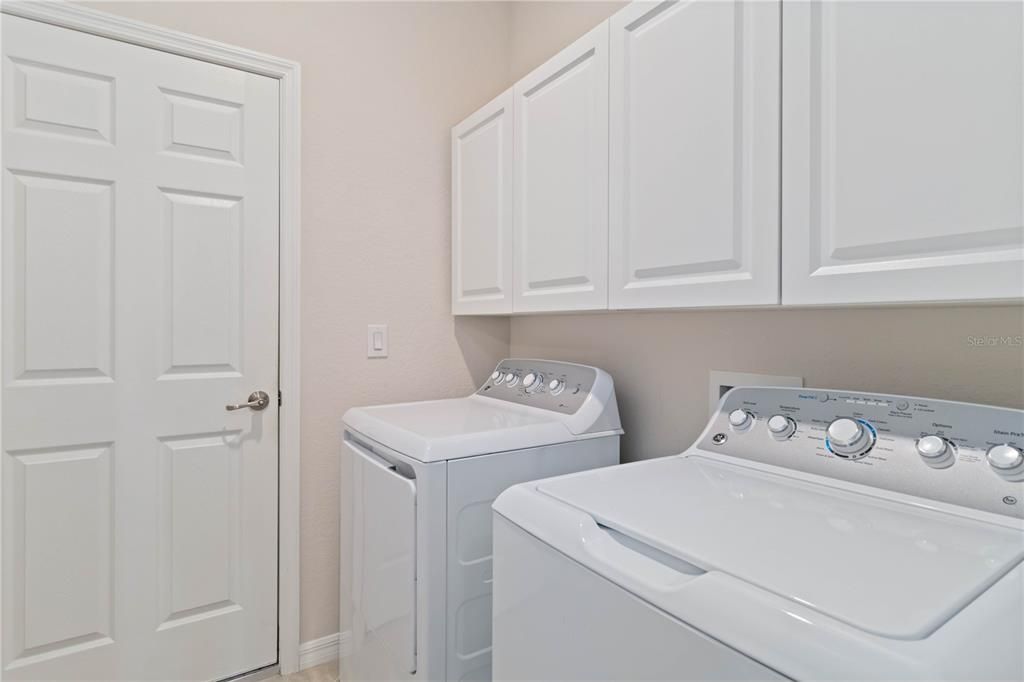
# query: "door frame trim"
[288,75]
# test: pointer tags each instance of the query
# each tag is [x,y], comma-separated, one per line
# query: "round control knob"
[740,420]
[936,451]
[497,377]
[556,386]
[1007,461]
[1004,457]
[781,427]
[511,379]
[849,438]
[533,382]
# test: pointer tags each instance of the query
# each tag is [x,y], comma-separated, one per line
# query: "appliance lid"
[882,566]
[437,430]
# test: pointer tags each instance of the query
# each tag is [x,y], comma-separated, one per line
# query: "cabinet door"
[561,208]
[482,210]
[903,167]
[694,154]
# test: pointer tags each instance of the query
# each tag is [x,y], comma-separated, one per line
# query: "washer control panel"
[558,386]
[959,453]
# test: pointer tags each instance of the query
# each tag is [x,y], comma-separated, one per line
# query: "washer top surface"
[436,430]
[501,416]
[885,567]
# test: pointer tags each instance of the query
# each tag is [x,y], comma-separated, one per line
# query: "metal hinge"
[279,398]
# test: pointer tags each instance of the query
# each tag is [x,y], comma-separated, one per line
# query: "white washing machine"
[424,475]
[808,534]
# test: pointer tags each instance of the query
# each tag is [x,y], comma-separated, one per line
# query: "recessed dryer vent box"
[721,381]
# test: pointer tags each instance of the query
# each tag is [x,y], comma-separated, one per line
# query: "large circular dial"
[1007,461]
[781,426]
[533,382]
[850,438]
[936,451]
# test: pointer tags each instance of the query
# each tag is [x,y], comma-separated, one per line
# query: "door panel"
[66,568]
[200,126]
[201,284]
[139,298]
[63,101]
[199,528]
[694,148]
[561,189]
[482,169]
[46,251]
[903,177]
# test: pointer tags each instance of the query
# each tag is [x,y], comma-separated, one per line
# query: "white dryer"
[418,522]
[808,534]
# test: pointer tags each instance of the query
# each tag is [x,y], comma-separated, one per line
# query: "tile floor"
[327,672]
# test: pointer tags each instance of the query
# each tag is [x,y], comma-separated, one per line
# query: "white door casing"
[694,154]
[561,183]
[140,246]
[903,161]
[482,170]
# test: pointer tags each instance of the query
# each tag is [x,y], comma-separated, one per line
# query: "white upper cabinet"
[903,151]
[694,154]
[561,187]
[482,171]
[649,167]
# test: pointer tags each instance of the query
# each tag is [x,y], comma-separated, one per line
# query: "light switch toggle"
[377,341]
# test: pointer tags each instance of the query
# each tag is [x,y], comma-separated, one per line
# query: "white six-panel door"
[903,151]
[140,213]
[561,184]
[482,171]
[694,154]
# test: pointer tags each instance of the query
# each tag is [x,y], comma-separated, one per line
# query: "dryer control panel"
[558,386]
[960,453]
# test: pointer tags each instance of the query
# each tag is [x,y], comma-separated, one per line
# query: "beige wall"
[661,361]
[540,29]
[382,85]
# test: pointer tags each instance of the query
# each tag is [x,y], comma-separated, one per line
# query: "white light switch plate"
[721,382]
[377,341]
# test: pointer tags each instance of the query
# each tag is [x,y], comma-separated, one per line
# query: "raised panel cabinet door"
[694,154]
[903,151]
[139,241]
[561,186]
[482,170]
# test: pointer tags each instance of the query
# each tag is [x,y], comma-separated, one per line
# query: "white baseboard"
[317,651]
